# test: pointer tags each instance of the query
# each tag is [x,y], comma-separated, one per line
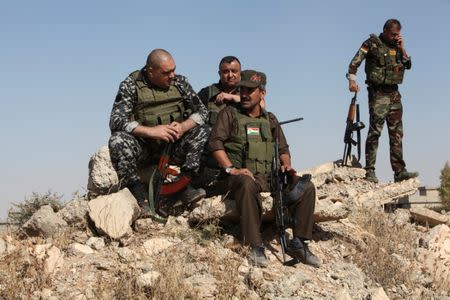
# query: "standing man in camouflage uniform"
[154,107]
[242,142]
[225,92]
[386,61]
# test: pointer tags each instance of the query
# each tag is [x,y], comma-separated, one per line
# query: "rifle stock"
[158,188]
[353,123]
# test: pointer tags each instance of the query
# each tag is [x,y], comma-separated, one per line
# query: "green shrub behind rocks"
[22,212]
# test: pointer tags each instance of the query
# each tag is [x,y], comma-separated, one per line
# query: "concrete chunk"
[388,193]
[428,216]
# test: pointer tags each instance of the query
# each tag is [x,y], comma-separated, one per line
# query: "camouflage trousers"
[385,107]
[129,153]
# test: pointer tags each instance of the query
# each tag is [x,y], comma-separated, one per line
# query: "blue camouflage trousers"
[129,153]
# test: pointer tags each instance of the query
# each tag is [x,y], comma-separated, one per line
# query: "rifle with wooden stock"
[353,124]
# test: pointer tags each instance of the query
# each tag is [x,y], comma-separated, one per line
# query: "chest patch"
[253,131]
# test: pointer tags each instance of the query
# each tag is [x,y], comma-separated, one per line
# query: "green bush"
[444,190]
[22,212]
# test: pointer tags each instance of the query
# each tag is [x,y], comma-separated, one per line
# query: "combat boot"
[299,250]
[140,192]
[370,176]
[404,175]
[192,195]
[257,257]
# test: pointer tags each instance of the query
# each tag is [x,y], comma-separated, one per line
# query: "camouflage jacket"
[126,100]
[366,52]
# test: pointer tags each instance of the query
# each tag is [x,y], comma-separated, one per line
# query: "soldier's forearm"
[222,158]
[140,131]
[188,125]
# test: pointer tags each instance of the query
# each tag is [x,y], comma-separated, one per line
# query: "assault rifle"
[353,111]
[278,183]
[160,188]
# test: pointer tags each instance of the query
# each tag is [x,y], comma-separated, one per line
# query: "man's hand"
[401,46]
[167,133]
[243,171]
[400,43]
[353,86]
[179,128]
[225,97]
[288,169]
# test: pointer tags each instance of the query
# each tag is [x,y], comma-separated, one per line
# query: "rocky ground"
[99,249]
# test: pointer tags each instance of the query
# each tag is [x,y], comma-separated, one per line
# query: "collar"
[263,113]
[143,78]
[219,85]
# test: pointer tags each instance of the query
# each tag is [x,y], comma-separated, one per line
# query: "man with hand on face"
[225,92]
[386,61]
[242,142]
[154,107]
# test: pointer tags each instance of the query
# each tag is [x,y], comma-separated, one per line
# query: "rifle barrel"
[290,121]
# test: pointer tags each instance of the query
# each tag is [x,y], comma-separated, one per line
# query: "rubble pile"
[99,249]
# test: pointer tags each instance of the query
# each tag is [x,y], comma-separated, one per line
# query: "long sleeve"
[222,130]
[123,107]
[357,60]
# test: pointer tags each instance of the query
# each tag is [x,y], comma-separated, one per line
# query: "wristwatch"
[228,169]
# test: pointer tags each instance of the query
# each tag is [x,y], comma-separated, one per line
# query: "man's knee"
[309,192]
[244,184]
[122,143]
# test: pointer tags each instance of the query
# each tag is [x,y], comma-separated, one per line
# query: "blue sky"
[61,63]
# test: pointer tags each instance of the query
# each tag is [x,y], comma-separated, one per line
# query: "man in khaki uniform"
[242,142]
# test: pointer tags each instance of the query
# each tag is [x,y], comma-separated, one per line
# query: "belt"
[386,88]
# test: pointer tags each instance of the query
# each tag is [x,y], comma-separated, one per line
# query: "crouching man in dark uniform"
[242,142]
[154,107]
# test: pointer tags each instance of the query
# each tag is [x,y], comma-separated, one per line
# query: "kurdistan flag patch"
[252,130]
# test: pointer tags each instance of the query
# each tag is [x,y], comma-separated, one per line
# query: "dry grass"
[172,266]
[389,241]
[227,275]
[121,284]
[21,274]
[207,231]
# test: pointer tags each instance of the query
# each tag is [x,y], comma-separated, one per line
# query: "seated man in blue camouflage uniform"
[154,107]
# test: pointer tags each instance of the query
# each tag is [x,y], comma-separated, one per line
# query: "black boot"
[299,250]
[191,195]
[404,175]
[140,192]
[257,257]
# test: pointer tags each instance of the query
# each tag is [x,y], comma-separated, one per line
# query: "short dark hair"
[229,59]
[391,23]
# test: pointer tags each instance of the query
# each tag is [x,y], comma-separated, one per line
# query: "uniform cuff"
[131,126]
[351,76]
[197,118]
[215,145]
